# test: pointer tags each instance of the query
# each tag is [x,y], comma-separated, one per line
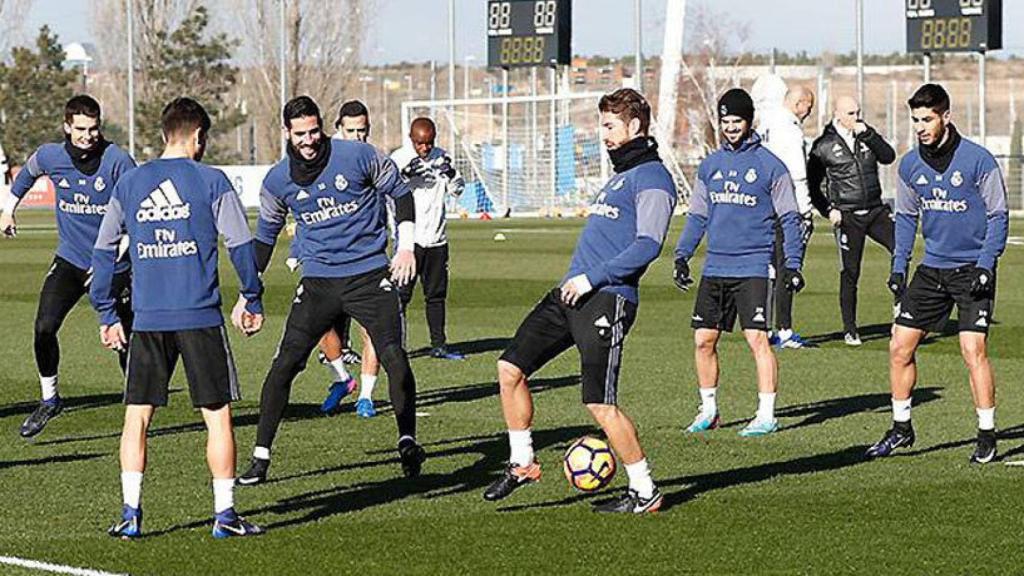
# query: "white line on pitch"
[55,568]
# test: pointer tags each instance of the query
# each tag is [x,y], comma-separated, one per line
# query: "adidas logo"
[602,322]
[163,204]
[717,176]
[921,180]
[302,195]
[63,183]
[697,318]
[385,285]
[982,322]
[759,317]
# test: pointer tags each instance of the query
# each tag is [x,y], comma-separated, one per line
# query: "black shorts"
[929,300]
[720,300]
[209,366]
[597,326]
[65,284]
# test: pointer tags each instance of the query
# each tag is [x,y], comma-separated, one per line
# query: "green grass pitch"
[802,501]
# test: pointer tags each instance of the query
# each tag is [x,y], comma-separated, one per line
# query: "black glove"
[982,282]
[445,167]
[897,283]
[681,275]
[416,167]
[793,280]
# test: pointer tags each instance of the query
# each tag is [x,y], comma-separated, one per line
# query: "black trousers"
[371,300]
[432,267]
[63,287]
[782,298]
[858,225]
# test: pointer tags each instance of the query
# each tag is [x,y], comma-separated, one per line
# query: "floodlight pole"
[504,135]
[981,97]
[638,75]
[860,53]
[131,79]
[552,135]
[927,63]
[282,49]
[451,57]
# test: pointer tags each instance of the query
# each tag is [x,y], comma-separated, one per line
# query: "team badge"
[321,186]
[723,110]
[99,185]
[340,183]
[837,149]
[957,179]
[750,176]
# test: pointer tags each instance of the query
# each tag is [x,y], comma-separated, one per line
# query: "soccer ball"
[589,464]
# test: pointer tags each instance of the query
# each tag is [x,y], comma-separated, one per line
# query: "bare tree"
[12,19]
[324,40]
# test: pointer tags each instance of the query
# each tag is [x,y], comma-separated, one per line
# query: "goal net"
[523,155]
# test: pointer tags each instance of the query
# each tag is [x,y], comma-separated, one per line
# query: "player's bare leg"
[642,495]
[974,350]
[137,418]
[764,421]
[705,359]
[369,370]
[517,407]
[902,378]
[342,383]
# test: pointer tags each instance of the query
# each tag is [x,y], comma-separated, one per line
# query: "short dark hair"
[351,109]
[628,104]
[300,107]
[81,104]
[183,115]
[930,96]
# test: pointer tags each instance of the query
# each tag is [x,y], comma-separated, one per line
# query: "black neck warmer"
[86,161]
[940,156]
[634,153]
[304,172]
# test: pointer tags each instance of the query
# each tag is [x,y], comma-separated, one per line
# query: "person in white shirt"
[781,131]
[432,177]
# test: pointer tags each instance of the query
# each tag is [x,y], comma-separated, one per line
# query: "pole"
[451,53]
[671,58]
[282,49]
[131,79]
[639,51]
[860,53]
[504,138]
[465,93]
[552,136]
[533,129]
[926,61]
[981,97]
[433,85]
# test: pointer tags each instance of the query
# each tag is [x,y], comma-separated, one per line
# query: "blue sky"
[600,26]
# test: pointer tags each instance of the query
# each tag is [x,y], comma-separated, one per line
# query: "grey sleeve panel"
[699,199]
[783,196]
[653,212]
[272,209]
[112,226]
[231,220]
[906,199]
[993,191]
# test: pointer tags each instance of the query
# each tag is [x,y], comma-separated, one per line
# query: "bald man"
[842,175]
[432,177]
[781,131]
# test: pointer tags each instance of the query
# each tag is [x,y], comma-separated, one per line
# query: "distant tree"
[33,90]
[189,62]
[1015,175]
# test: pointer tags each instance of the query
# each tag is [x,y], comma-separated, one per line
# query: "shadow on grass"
[882,332]
[814,413]
[70,403]
[59,459]
[468,347]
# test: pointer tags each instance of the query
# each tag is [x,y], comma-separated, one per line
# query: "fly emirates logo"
[941,202]
[81,205]
[731,194]
[328,209]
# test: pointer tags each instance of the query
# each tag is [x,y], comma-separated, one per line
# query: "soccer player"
[335,189]
[353,123]
[595,304]
[172,209]
[432,177]
[782,133]
[741,191]
[83,169]
[955,189]
[846,156]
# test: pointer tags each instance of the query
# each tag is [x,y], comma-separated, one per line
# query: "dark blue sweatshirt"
[81,199]
[737,197]
[341,223]
[625,230]
[173,211]
[963,213]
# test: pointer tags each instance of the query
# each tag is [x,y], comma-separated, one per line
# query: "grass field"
[802,501]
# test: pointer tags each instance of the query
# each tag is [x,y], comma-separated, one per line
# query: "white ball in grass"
[499,237]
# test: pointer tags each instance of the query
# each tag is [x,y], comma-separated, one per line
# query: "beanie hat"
[736,102]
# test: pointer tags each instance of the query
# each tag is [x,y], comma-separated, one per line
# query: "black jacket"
[851,176]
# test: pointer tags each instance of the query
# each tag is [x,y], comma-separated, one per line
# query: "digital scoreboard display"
[954,25]
[528,32]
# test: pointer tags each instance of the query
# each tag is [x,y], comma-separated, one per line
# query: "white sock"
[366,384]
[986,418]
[640,478]
[765,406]
[339,369]
[49,386]
[785,334]
[261,453]
[131,488]
[223,494]
[521,444]
[901,410]
[709,401]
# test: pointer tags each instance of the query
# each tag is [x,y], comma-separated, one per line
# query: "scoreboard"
[954,25]
[528,32]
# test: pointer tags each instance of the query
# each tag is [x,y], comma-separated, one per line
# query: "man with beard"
[335,189]
[83,169]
